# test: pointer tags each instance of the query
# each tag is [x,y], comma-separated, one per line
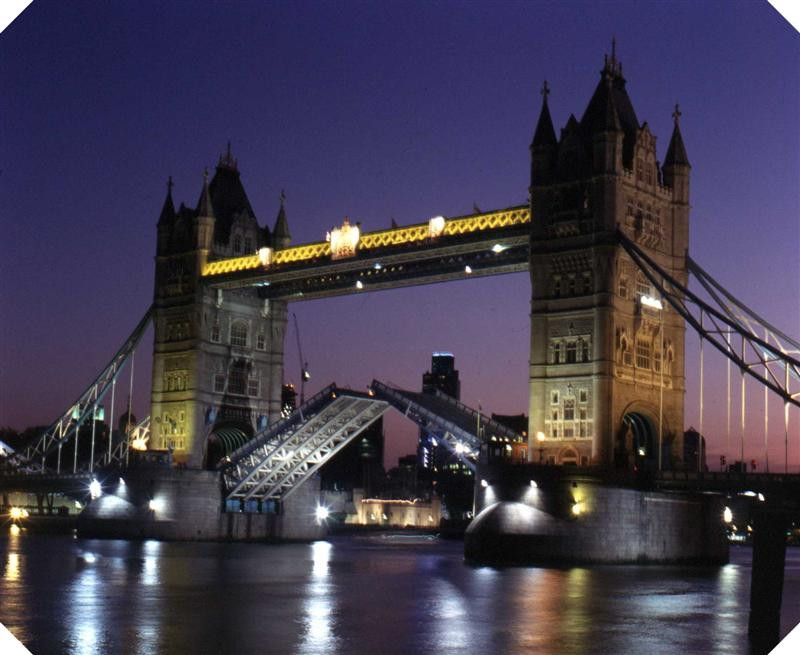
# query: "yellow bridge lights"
[349,239]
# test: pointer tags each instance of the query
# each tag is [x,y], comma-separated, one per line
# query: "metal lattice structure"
[66,426]
[136,439]
[753,345]
[277,461]
[462,429]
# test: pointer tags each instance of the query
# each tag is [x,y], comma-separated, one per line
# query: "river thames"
[362,594]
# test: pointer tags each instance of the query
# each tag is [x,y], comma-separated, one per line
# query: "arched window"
[239,334]
[572,352]
[643,353]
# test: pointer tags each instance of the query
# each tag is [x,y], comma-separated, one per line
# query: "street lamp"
[540,439]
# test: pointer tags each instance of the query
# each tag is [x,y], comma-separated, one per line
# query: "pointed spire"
[226,160]
[168,211]
[545,134]
[280,234]
[676,152]
[609,121]
[204,206]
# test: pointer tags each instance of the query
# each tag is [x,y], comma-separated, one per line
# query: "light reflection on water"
[358,595]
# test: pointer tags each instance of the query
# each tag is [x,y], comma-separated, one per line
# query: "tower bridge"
[605,240]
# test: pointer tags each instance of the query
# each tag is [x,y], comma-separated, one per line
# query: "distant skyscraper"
[443,376]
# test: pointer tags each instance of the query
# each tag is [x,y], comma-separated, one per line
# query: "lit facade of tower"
[606,367]
[218,356]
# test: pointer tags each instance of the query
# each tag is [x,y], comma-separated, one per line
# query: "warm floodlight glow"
[498,248]
[727,515]
[265,256]
[377,266]
[461,448]
[484,484]
[436,226]
[577,508]
[15,513]
[156,504]
[642,452]
[359,284]
[653,303]
[533,484]
[344,240]
[14,530]
[138,443]
[322,513]
[540,436]
[761,497]
[468,269]
[95,490]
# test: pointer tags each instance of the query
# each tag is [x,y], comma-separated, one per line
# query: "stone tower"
[218,356]
[606,368]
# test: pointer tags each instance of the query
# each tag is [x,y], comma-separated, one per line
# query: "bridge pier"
[766,586]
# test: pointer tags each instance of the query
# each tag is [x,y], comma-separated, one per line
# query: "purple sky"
[403,110]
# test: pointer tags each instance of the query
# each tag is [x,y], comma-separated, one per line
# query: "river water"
[364,594]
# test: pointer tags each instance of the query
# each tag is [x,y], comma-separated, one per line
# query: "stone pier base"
[187,505]
[540,517]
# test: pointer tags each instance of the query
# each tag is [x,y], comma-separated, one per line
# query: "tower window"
[569,409]
[261,341]
[557,287]
[583,396]
[239,334]
[556,353]
[219,382]
[237,380]
[572,350]
[643,353]
[237,244]
[253,387]
[623,287]
[571,285]
[215,333]
[657,360]
[554,400]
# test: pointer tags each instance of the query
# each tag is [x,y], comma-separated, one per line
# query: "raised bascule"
[605,239]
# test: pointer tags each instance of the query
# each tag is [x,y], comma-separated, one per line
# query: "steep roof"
[610,95]
[228,197]
[168,210]
[676,152]
[281,230]
[545,134]
[205,207]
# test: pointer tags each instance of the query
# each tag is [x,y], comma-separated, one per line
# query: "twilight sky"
[376,111]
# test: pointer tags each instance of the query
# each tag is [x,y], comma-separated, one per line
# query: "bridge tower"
[217,356]
[606,367]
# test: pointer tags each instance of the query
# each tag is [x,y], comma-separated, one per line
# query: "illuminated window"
[239,334]
[261,342]
[643,285]
[643,353]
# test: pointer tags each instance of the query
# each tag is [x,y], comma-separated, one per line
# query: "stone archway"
[223,440]
[639,439]
[568,456]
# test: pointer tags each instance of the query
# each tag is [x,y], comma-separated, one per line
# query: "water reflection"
[12,567]
[318,635]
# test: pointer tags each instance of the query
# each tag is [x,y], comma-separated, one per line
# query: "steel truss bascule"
[274,463]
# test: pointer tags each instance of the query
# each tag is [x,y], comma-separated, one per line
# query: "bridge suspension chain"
[773,362]
[66,426]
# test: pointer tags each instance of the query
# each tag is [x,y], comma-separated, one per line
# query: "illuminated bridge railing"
[395,237]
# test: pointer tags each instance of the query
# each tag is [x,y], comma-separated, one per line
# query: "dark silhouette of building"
[694,447]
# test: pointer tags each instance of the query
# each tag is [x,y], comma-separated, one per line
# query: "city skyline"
[351,124]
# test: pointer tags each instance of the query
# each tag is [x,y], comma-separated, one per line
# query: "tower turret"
[203,224]
[544,145]
[676,164]
[165,220]
[280,235]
